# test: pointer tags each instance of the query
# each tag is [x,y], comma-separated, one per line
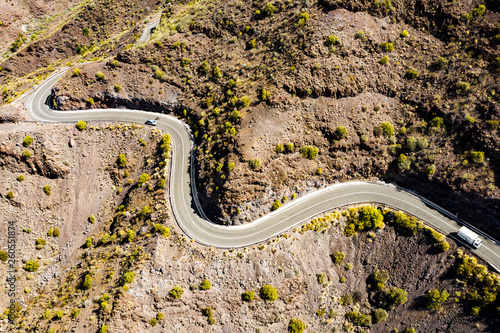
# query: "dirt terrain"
[437,89]
[55,299]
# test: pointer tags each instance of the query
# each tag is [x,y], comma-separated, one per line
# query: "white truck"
[470,237]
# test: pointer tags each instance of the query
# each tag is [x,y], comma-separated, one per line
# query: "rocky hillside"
[402,91]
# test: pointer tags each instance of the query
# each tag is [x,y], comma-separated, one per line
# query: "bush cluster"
[31,266]
[309,152]
[434,298]
[176,292]
[363,218]
[338,258]
[407,225]
[81,125]
[248,296]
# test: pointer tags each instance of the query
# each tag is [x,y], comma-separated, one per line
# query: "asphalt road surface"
[191,218]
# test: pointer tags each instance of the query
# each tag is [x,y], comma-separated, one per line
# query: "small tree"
[387,129]
[81,125]
[248,296]
[379,315]
[31,266]
[296,326]
[142,179]
[396,296]
[276,205]
[47,190]
[309,152]
[128,277]
[176,293]
[28,140]
[100,75]
[87,282]
[268,293]
[338,258]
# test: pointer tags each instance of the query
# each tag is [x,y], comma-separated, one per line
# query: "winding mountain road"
[195,224]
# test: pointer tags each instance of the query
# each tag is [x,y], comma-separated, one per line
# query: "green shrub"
[254,164]
[396,296]
[130,236]
[31,266]
[387,129]
[248,296]
[103,329]
[185,62]
[322,278]
[100,75]
[158,228]
[434,298]
[296,326]
[341,133]
[422,143]
[361,35]
[86,32]
[153,322]
[430,169]
[436,122]
[441,62]
[387,47]
[444,246]
[50,233]
[245,101]
[3,255]
[76,72]
[28,140]
[88,243]
[338,258]
[87,282]
[56,232]
[159,316]
[477,156]
[81,125]
[176,293]
[91,101]
[264,95]
[47,190]
[128,277]
[269,9]
[359,318]
[92,218]
[205,285]
[331,40]
[363,218]
[159,74]
[144,212]
[412,73]
[379,278]
[26,154]
[142,179]
[289,147]
[379,315]
[303,17]
[275,205]
[493,124]
[217,72]
[384,60]
[404,164]
[118,88]
[405,224]
[268,293]
[463,86]
[309,152]
[10,195]
[40,242]
[20,178]
[404,34]
[279,148]
[342,279]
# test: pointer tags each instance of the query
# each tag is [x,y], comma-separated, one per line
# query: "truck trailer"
[470,237]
